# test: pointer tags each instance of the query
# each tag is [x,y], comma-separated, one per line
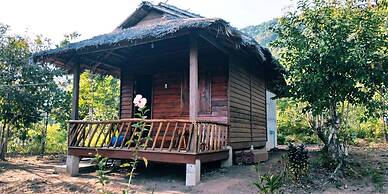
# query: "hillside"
[262,32]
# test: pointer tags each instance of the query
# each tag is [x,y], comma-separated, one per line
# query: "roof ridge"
[177,9]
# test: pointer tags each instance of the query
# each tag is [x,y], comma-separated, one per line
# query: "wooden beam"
[213,41]
[100,62]
[193,82]
[157,156]
[75,100]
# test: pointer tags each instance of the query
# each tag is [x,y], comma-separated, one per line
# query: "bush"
[29,140]
[268,183]
[297,162]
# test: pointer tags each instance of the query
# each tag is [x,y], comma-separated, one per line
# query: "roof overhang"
[215,31]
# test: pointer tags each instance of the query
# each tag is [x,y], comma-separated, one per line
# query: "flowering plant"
[140,128]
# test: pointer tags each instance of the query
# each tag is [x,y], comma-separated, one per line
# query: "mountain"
[262,32]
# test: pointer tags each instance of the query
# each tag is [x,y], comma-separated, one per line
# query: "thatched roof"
[145,8]
[221,30]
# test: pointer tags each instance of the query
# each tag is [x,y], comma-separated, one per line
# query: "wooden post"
[75,101]
[72,162]
[193,86]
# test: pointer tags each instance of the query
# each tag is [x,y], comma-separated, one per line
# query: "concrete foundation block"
[228,162]
[193,173]
[72,165]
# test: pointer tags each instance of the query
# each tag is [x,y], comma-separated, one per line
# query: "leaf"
[145,161]
[125,165]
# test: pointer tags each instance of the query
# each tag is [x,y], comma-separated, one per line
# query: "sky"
[55,18]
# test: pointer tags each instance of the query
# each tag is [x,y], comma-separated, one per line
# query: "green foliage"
[103,179]
[335,54]
[99,97]
[263,32]
[28,141]
[26,90]
[297,162]
[68,39]
[268,183]
[293,123]
[377,178]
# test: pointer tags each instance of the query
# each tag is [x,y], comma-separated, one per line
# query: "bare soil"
[36,175]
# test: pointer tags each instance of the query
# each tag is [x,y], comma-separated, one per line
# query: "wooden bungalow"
[205,82]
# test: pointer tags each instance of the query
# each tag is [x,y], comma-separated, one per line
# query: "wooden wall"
[246,104]
[167,101]
[172,102]
[126,94]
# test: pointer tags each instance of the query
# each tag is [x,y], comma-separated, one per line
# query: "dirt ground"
[34,175]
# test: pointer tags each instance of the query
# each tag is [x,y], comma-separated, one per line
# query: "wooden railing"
[163,135]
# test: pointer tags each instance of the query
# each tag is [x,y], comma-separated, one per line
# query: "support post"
[228,162]
[193,82]
[72,165]
[72,162]
[75,100]
[193,173]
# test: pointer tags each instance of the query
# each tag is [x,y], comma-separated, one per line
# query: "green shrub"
[281,139]
[29,141]
[297,162]
[268,183]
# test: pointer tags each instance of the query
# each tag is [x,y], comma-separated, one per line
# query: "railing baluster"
[211,137]
[79,139]
[111,133]
[131,139]
[164,135]
[173,136]
[191,141]
[99,134]
[75,133]
[200,136]
[125,136]
[218,137]
[157,135]
[106,135]
[92,134]
[118,135]
[208,130]
[149,135]
[182,137]
[72,128]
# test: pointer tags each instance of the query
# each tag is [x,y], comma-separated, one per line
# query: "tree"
[23,86]
[336,55]
[99,96]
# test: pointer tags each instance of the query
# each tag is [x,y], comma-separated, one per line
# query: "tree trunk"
[4,141]
[2,131]
[337,151]
[383,113]
[44,136]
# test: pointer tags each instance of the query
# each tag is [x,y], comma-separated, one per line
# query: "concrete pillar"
[228,162]
[193,173]
[72,165]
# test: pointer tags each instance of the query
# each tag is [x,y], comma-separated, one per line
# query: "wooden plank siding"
[246,105]
[126,94]
[172,102]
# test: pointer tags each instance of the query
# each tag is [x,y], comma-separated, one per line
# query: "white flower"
[142,103]
[137,99]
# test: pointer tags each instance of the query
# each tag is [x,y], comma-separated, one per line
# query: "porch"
[170,141]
